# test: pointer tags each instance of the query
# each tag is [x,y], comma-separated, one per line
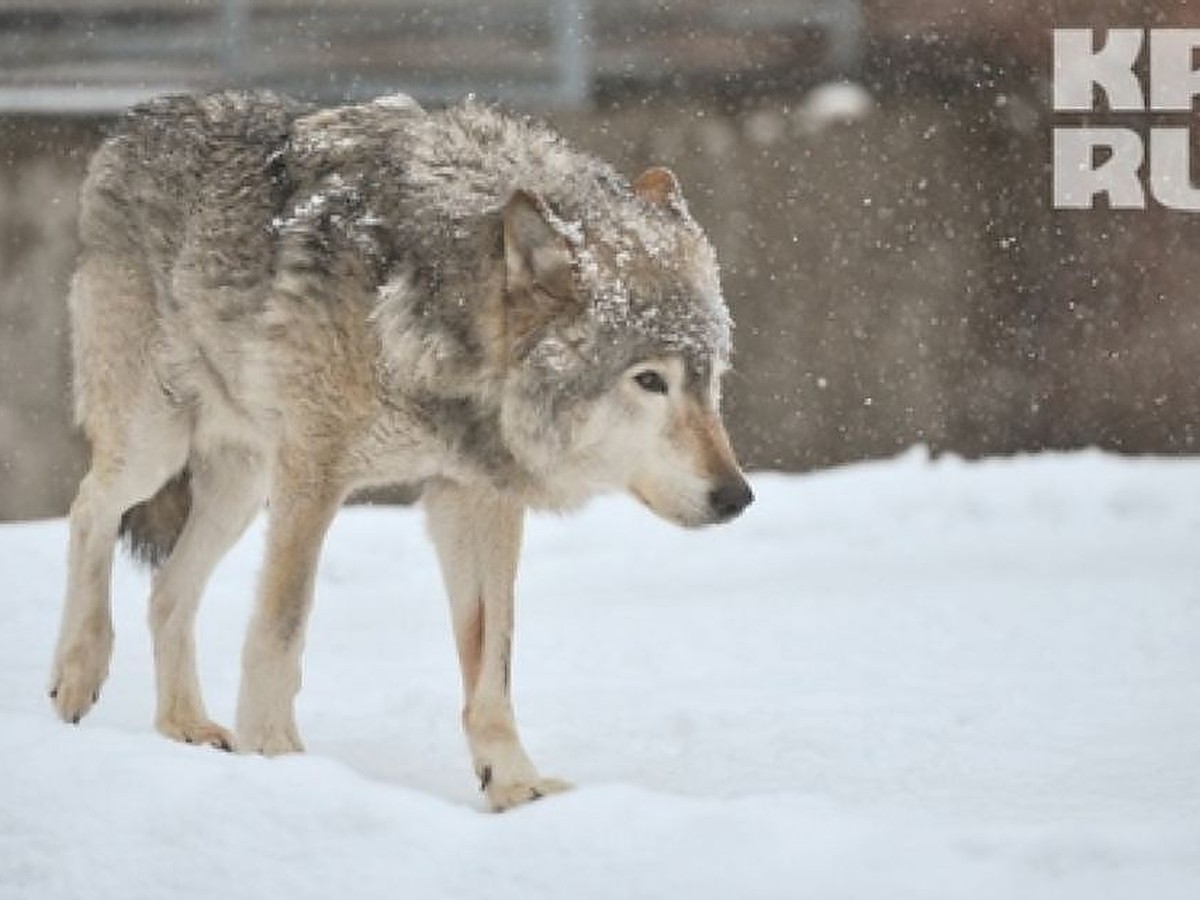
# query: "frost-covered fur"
[279,304]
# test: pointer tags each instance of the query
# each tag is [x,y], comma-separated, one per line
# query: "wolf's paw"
[270,741]
[198,731]
[75,684]
[504,795]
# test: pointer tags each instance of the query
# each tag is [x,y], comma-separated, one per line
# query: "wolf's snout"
[729,498]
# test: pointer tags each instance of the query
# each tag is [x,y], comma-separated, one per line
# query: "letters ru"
[1109,160]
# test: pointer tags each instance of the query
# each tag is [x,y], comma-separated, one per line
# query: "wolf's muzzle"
[729,498]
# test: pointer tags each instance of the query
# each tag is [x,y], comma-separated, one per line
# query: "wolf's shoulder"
[469,158]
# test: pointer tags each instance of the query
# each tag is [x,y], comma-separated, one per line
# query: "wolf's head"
[616,337]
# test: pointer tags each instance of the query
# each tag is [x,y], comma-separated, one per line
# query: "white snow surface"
[892,680]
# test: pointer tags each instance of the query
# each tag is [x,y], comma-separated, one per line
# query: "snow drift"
[899,679]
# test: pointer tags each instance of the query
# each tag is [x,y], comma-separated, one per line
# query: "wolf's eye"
[651,381]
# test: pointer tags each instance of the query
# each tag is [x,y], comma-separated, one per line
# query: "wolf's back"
[211,165]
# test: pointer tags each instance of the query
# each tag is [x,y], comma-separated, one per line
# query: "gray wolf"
[277,305]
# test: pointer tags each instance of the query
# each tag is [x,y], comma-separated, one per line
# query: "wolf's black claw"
[485,778]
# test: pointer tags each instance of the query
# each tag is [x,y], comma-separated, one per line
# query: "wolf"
[277,305]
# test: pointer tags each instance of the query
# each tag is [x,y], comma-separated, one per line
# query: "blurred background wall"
[875,176]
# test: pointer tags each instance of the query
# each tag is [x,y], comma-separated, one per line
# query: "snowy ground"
[894,680]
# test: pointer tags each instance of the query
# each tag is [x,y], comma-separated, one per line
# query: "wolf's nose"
[730,498]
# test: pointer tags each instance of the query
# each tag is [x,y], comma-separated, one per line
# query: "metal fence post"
[232,27]
[573,48]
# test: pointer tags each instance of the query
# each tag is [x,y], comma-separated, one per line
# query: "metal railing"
[94,56]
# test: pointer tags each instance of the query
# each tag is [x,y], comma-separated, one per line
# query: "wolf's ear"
[658,186]
[537,256]
[539,271]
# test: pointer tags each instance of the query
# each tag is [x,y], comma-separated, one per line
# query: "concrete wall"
[41,165]
[898,279]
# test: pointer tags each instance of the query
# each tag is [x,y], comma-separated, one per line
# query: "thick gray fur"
[245,192]
[278,304]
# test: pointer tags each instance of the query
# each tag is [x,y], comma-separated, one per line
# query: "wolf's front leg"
[300,513]
[478,539]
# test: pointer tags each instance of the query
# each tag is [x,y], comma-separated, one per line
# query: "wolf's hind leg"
[228,487]
[478,540]
[120,477]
